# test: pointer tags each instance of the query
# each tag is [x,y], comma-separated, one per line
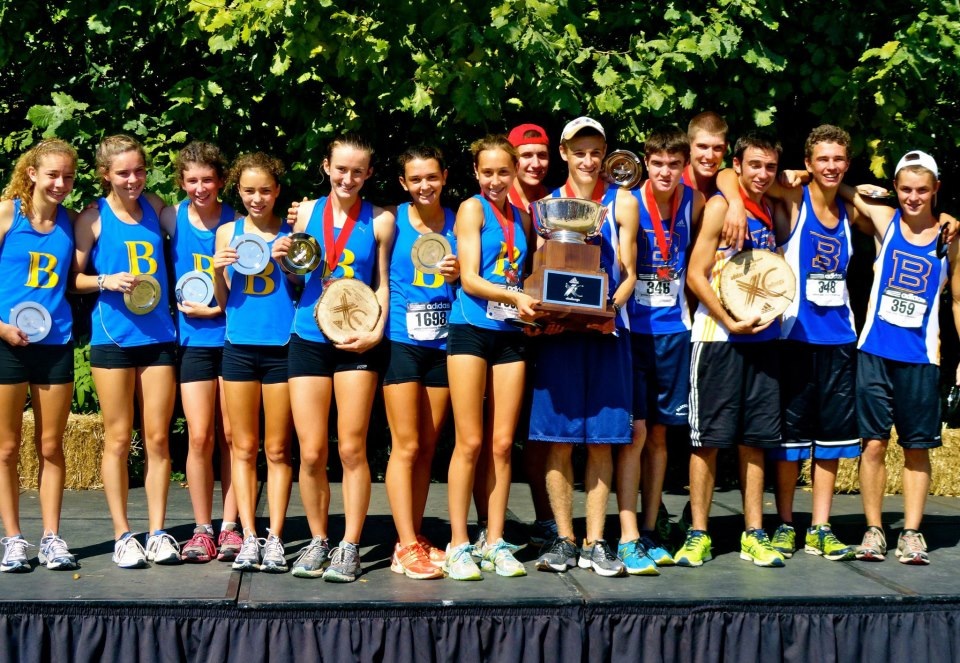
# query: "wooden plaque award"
[566,276]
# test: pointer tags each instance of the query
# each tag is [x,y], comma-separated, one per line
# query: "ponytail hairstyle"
[20,185]
[109,148]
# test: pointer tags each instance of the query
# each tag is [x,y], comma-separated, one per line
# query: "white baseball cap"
[918,158]
[573,127]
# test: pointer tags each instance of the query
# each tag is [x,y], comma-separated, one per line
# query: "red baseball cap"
[517,137]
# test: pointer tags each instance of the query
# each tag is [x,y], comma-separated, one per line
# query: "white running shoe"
[163,549]
[55,554]
[128,553]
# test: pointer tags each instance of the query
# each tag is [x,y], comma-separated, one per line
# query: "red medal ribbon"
[688,177]
[333,248]
[506,225]
[760,212]
[597,195]
[663,239]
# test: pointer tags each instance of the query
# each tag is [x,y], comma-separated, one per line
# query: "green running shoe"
[756,547]
[785,540]
[695,549]
[821,540]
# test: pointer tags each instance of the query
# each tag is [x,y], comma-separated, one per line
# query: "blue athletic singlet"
[419,303]
[468,309]
[659,306]
[357,261]
[903,315]
[193,249]
[260,306]
[136,248]
[820,313]
[705,326]
[36,268]
[609,242]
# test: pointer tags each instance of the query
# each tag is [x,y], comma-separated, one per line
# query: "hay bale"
[944,463]
[82,449]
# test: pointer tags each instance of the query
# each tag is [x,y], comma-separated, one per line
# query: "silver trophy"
[571,220]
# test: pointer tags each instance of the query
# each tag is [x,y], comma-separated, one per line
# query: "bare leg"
[751,483]
[199,406]
[535,467]
[243,406]
[653,469]
[12,399]
[597,481]
[873,480]
[157,390]
[468,382]
[628,482]
[787,473]
[51,407]
[824,476]
[559,481]
[225,440]
[503,406]
[354,391]
[703,475]
[916,486]
[310,399]
[276,447]
[115,387]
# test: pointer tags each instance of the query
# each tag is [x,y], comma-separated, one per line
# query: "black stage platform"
[728,610]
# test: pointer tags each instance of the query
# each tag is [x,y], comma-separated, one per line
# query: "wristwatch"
[100,279]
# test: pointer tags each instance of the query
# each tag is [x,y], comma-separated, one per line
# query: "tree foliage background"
[285,76]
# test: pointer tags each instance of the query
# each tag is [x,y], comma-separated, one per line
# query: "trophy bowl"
[568,219]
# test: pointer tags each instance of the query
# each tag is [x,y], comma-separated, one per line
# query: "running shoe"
[248,559]
[229,542]
[656,550]
[636,559]
[601,559]
[200,548]
[435,554]
[821,540]
[460,565]
[414,562]
[128,553]
[479,545]
[344,564]
[543,531]
[15,555]
[163,548]
[558,555]
[313,558]
[756,547]
[695,549]
[873,548]
[498,557]
[274,558]
[55,554]
[912,548]
[785,540]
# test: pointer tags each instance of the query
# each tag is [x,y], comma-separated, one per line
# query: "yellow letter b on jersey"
[251,288]
[140,258]
[45,263]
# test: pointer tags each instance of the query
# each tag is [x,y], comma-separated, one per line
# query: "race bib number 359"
[902,308]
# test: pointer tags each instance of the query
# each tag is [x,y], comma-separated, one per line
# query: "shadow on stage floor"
[728,610]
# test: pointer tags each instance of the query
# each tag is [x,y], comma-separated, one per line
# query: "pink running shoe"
[230,541]
[200,548]
[437,555]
